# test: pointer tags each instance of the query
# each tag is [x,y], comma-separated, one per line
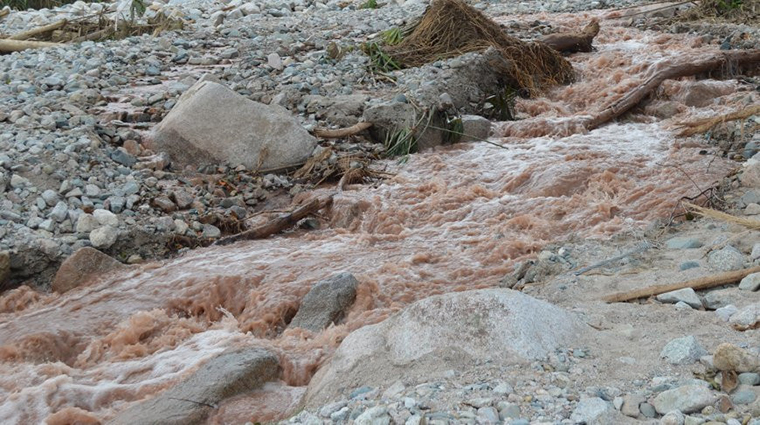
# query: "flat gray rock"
[211,124]
[686,295]
[226,375]
[685,350]
[445,332]
[326,303]
[686,399]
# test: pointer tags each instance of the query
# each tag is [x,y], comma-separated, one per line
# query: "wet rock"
[5,266]
[326,303]
[726,259]
[447,332]
[227,375]
[103,237]
[164,204]
[746,318]
[751,282]
[687,295]
[590,410]
[686,399]
[685,350]
[732,358]
[82,267]
[475,128]
[245,133]
[683,243]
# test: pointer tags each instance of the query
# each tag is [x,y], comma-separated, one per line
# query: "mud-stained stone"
[227,375]
[82,267]
[444,332]
[326,303]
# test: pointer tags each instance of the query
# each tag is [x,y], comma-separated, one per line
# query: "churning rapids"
[453,219]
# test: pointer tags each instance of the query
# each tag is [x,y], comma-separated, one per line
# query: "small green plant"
[400,143]
[379,60]
[729,5]
[455,130]
[503,105]
[392,36]
[137,7]
[369,4]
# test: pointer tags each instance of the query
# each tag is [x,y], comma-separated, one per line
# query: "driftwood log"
[278,224]
[9,46]
[342,132]
[572,42]
[696,284]
[38,31]
[706,124]
[725,62]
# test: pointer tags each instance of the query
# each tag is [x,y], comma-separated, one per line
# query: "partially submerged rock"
[85,265]
[212,124]
[326,303]
[190,402]
[447,331]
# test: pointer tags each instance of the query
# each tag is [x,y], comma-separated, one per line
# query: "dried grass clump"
[735,11]
[450,28]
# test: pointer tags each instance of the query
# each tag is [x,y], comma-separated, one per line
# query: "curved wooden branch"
[342,132]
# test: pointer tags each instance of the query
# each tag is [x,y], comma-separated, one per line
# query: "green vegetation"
[503,105]
[369,4]
[379,60]
[400,143]
[392,36]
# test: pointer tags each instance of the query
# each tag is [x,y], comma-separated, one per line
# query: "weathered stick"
[8,46]
[278,224]
[97,35]
[696,284]
[705,125]
[37,31]
[645,246]
[342,132]
[4,13]
[669,70]
[571,42]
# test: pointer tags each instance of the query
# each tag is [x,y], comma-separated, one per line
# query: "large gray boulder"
[190,402]
[443,332]
[326,303]
[211,124]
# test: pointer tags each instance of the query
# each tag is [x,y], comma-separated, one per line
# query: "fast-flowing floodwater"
[453,219]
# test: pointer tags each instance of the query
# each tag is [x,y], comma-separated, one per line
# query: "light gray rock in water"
[326,303]
[475,128]
[686,399]
[750,282]
[686,295]
[211,124]
[226,375]
[685,350]
[726,259]
[590,410]
[447,332]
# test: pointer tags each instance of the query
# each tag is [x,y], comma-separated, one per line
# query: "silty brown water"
[450,220]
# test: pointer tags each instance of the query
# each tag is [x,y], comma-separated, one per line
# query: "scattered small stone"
[211,232]
[589,410]
[683,243]
[749,378]
[647,410]
[687,399]
[750,282]
[685,350]
[103,237]
[726,312]
[673,418]
[743,396]
[726,259]
[106,218]
[686,265]
[687,295]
